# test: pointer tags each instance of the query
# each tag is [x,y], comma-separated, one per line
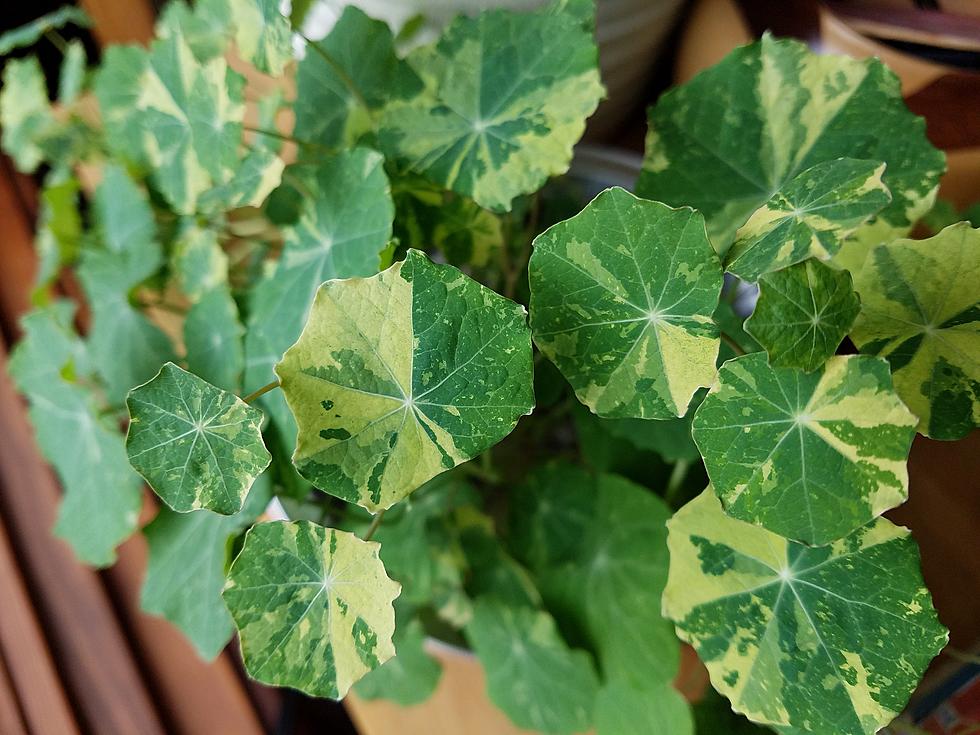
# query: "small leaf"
[197,446]
[125,219]
[59,228]
[597,546]
[506,97]
[312,606]
[621,301]
[410,676]
[186,569]
[71,77]
[30,33]
[830,639]
[532,675]
[803,313]
[103,495]
[25,112]
[621,709]
[921,310]
[810,217]
[213,338]
[262,34]
[810,456]
[344,81]
[402,376]
[198,262]
[725,141]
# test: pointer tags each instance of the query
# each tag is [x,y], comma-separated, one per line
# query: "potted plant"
[495,417]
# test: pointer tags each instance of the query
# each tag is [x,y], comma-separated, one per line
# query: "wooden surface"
[116,21]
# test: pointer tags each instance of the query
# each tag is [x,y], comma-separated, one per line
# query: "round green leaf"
[921,310]
[621,301]
[810,456]
[25,112]
[312,606]
[623,710]
[506,97]
[803,313]
[401,376]
[196,445]
[532,675]
[827,640]
[739,131]
[597,545]
[809,217]
[411,675]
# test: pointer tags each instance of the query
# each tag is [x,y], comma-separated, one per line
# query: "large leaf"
[622,710]
[213,338]
[743,129]
[803,313]
[102,493]
[532,674]
[181,119]
[401,376]
[186,569]
[621,301]
[344,224]
[411,675]
[312,606]
[25,112]
[809,217]
[506,97]
[810,456]
[831,639]
[125,219]
[598,543]
[921,311]
[196,445]
[345,80]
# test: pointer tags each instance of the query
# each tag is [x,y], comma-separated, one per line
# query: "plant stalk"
[261,391]
[676,480]
[736,347]
[374,525]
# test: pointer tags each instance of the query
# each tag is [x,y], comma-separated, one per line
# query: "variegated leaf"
[810,456]
[196,445]
[532,674]
[401,376]
[803,313]
[312,606]
[25,112]
[411,675]
[809,217]
[506,97]
[921,310]
[740,131]
[621,301]
[817,640]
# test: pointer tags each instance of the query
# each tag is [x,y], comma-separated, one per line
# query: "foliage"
[391,267]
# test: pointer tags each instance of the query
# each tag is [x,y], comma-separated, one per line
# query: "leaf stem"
[57,39]
[261,391]
[375,523]
[676,481]
[283,136]
[730,341]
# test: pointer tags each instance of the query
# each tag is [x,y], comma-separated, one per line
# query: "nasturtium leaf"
[506,97]
[411,675]
[59,228]
[181,119]
[620,710]
[125,219]
[196,445]
[810,456]
[830,639]
[262,34]
[344,224]
[30,33]
[71,76]
[345,80]
[740,131]
[312,606]
[197,261]
[803,313]
[213,339]
[491,571]
[402,376]
[185,573]
[921,310]
[25,112]
[598,545]
[532,675]
[671,439]
[621,301]
[103,495]
[809,217]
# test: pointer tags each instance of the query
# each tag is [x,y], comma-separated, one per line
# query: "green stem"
[57,39]
[967,658]
[261,391]
[374,525]
[340,71]
[479,471]
[283,136]
[676,480]
[730,341]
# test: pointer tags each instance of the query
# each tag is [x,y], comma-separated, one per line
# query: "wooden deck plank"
[31,671]
[11,722]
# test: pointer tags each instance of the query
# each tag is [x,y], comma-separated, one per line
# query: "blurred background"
[77,654]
